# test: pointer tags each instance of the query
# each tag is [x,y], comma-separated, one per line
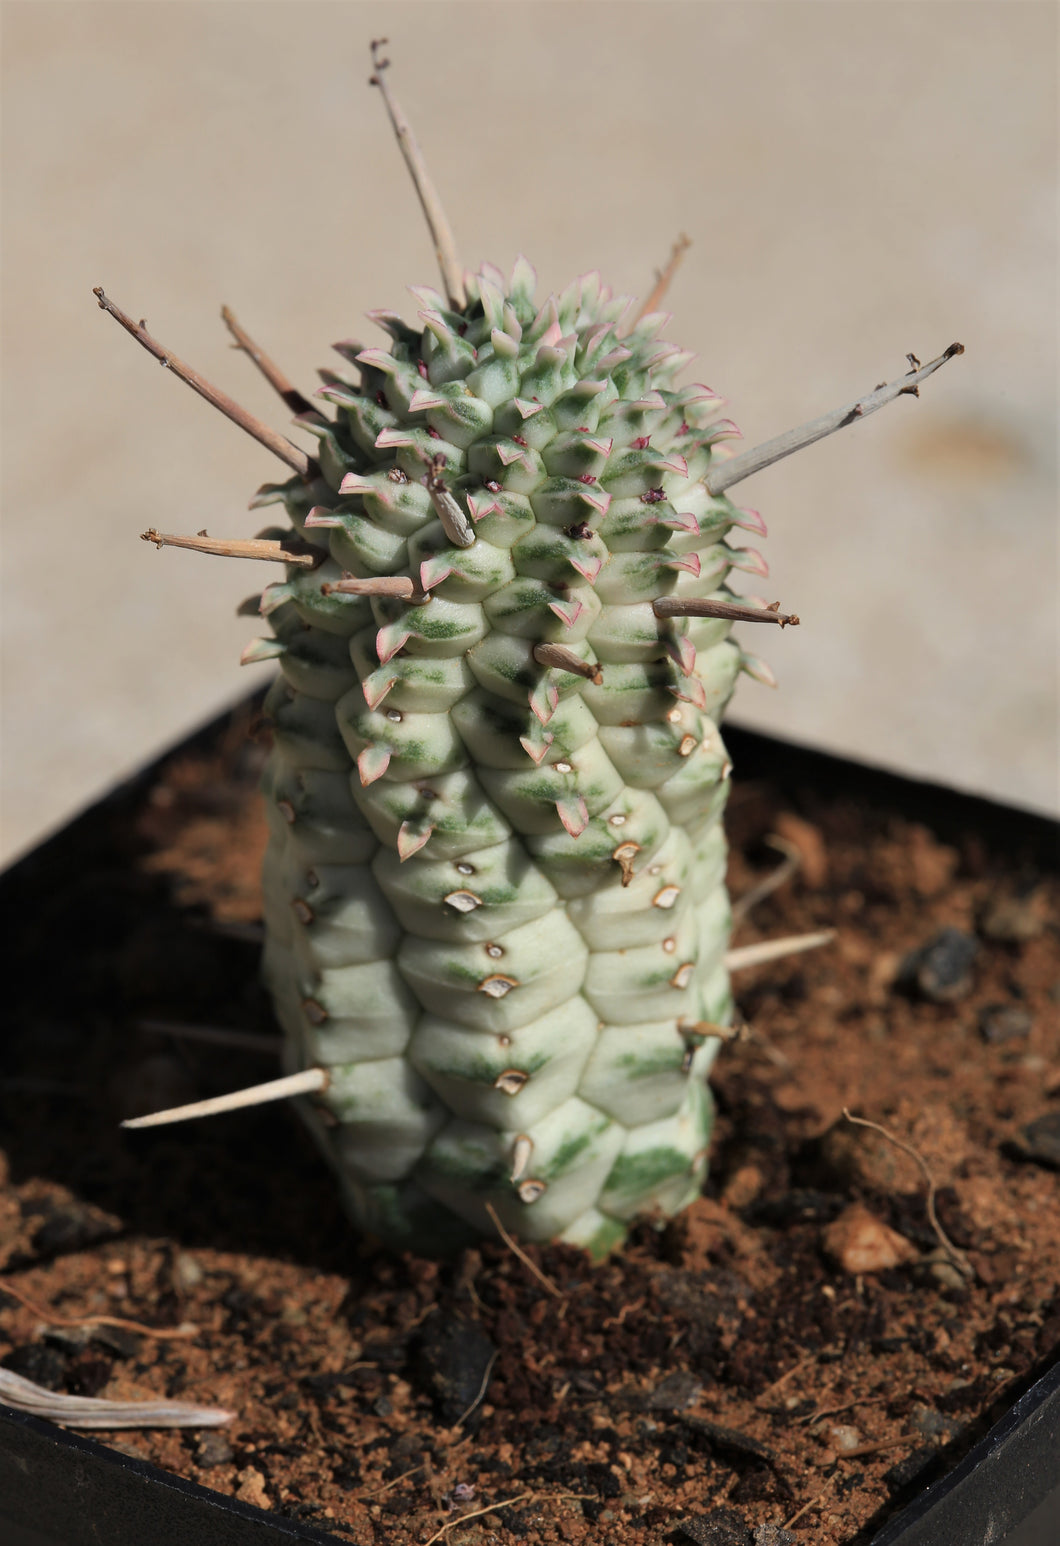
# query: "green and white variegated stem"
[494,887]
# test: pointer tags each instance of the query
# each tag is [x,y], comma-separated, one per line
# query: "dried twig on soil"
[813,1502]
[377,1492]
[92,1412]
[476,1514]
[834,1411]
[514,1246]
[53,1318]
[872,1449]
[957,1257]
[770,1390]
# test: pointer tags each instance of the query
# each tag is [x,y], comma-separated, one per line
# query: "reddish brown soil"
[719,1363]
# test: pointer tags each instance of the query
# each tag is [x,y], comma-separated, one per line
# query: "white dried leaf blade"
[93,1412]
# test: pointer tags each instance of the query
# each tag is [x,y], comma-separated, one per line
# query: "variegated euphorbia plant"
[497,929]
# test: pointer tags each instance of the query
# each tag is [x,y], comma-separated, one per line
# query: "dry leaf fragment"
[91,1412]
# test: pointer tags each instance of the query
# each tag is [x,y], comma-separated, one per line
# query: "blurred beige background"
[859,180]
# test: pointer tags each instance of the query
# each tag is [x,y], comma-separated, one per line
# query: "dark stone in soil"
[802,1205]
[404,1451]
[1004,1022]
[520,1522]
[213,1449]
[73,1226]
[915,1467]
[1047,1342]
[602,1479]
[673,1393]
[721,1527]
[1040,1140]
[727,1441]
[760,1484]
[118,1339]
[388,1354]
[38,1362]
[966,1394]
[89,1375]
[451,1363]
[941,970]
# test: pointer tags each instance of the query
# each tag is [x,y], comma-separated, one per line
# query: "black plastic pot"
[1005,1491]
[60,1489]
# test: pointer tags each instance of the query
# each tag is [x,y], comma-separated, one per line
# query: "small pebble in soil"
[674,1393]
[721,1527]
[213,1449]
[251,1488]
[185,1273]
[935,1425]
[941,969]
[1013,919]
[946,1275]
[1004,1022]
[1040,1140]
[931,863]
[773,1535]
[842,1438]
[859,1242]
[743,1186]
